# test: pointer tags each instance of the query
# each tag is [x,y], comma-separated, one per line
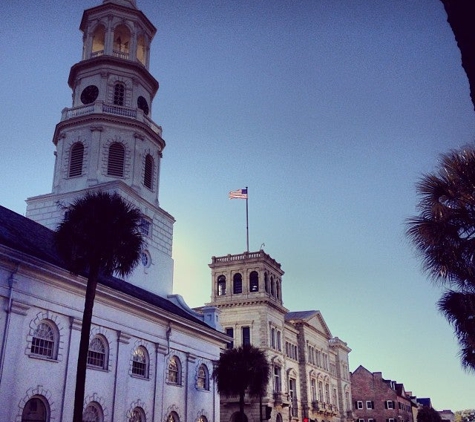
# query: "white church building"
[151,357]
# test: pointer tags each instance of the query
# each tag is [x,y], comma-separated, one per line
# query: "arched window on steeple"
[141,50]
[98,41]
[272,286]
[115,162]
[148,172]
[121,41]
[266,282]
[254,281]
[76,159]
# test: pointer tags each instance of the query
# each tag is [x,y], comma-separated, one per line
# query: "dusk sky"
[328,110]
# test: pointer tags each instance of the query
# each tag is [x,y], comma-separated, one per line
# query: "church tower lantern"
[107,139]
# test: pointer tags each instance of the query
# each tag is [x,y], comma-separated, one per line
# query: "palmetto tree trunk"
[84,344]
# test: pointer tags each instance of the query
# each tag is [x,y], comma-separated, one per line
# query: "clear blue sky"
[329,110]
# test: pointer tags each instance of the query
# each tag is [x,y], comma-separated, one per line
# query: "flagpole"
[247,219]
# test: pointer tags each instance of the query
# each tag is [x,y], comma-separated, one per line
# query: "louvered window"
[119,94]
[148,174]
[115,164]
[76,159]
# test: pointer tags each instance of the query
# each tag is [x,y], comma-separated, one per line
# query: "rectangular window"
[360,420]
[230,333]
[391,420]
[369,405]
[145,226]
[359,404]
[293,397]
[246,335]
[389,404]
[276,379]
[370,420]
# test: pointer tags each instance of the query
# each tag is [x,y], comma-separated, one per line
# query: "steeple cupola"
[107,139]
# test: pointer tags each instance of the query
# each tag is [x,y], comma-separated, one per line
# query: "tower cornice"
[107,62]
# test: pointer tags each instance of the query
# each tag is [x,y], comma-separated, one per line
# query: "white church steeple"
[107,139]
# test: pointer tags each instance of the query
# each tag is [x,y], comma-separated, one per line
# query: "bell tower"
[107,139]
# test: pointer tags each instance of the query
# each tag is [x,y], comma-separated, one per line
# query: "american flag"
[238,194]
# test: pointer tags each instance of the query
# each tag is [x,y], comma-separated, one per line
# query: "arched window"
[141,49]
[138,415]
[278,418]
[320,391]
[36,410]
[98,40]
[202,419]
[97,353]
[266,282]
[277,289]
[93,413]
[76,159]
[140,362]
[327,393]
[272,286]
[115,162]
[173,417]
[221,285]
[119,94]
[202,381]
[44,340]
[174,371]
[148,172]
[254,281]
[121,41]
[237,283]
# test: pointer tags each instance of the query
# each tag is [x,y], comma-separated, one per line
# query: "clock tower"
[107,139]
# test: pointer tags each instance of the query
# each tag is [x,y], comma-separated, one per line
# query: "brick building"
[378,400]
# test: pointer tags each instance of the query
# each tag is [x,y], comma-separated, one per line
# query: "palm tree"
[100,235]
[444,235]
[242,369]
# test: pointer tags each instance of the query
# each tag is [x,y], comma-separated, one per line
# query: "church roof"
[31,238]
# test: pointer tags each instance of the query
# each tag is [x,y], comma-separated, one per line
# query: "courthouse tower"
[107,139]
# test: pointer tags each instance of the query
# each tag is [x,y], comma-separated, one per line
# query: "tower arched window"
[98,41]
[76,159]
[97,353]
[277,289]
[93,413]
[141,50]
[44,340]
[116,159]
[237,283]
[221,285]
[254,281]
[148,172]
[121,41]
[272,286]
[119,94]
[173,417]
[140,362]
[36,410]
[266,282]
